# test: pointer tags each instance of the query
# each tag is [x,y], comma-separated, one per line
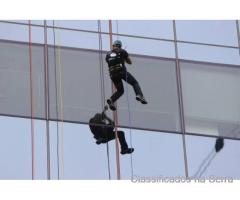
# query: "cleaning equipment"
[219,144]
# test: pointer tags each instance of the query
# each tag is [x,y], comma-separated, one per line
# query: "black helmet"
[117,43]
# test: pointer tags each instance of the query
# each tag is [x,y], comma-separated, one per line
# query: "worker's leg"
[120,89]
[129,78]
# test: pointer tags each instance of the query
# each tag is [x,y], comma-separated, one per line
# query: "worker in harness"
[102,128]
[116,59]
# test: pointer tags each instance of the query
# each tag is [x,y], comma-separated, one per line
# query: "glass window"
[40,144]
[78,157]
[162,111]
[203,161]
[150,158]
[77,39]
[149,28]
[15,79]
[91,25]
[13,32]
[147,46]
[21,33]
[74,83]
[105,25]
[209,53]
[37,22]
[208,31]
[16,149]
[211,99]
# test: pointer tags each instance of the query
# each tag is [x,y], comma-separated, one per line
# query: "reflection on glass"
[204,161]
[149,28]
[91,25]
[156,155]
[75,81]
[37,22]
[21,33]
[14,32]
[209,53]
[77,39]
[208,31]
[16,149]
[75,154]
[162,110]
[15,76]
[147,46]
[211,99]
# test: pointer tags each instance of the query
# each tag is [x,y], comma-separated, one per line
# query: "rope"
[130,129]
[32,100]
[115,116]
[205,160]
[207,165]
[103,87]
[219,144]
[129,116]
[61,107]
[56,90]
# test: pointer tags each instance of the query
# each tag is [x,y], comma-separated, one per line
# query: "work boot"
[111,105]
[127,150]
[141,99]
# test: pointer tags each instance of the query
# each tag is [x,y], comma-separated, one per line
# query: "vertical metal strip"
[47,110]
[31,98]
[115,115]
[180,99]
[238,35]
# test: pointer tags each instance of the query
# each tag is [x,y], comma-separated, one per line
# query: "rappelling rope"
[60,137]
[103,87]
[219,144]
[129,112]
[208,164]
[115,116]
[205,160]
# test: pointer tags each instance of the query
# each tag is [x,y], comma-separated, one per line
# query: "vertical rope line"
[57,104]
[115,116]
[61,107]
[208,164]
[103,88]
[238,35]
[46,85]
[180,99]
[31,99]
[129,115]
[130,128]
[203,162]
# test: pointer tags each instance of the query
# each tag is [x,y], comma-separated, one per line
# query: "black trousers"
[111,136]
[117,78]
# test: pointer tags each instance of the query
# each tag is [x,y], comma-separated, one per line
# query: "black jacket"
[100,124]
[116,60]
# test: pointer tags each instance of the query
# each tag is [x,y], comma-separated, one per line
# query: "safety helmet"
[117,43]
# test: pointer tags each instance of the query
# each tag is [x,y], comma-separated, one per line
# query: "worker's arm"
[128,60]
[127,57]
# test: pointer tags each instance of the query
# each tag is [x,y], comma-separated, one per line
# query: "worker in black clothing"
[102,128]
[116,59]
